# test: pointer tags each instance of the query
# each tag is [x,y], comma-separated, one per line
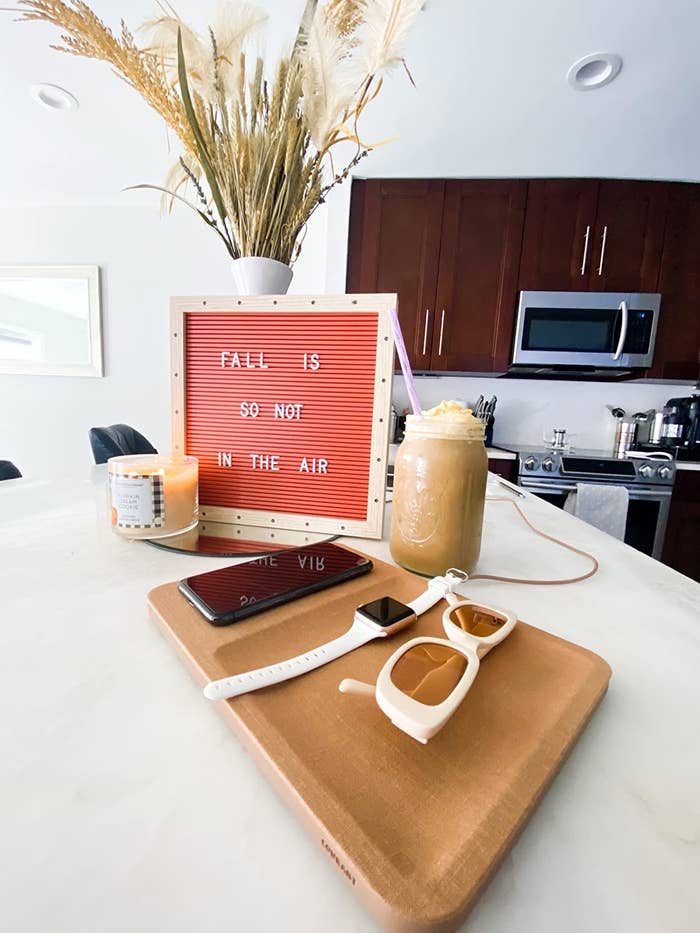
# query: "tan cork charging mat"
[417,830]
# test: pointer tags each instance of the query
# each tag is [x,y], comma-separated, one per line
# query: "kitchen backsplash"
[529,408]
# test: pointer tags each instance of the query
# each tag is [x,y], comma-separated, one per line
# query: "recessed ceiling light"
[53,97]
[594,71]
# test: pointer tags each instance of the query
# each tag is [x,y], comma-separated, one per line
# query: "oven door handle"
[536,488]
[635,492]
[623,330]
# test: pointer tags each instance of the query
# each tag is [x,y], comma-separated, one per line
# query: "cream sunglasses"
[425,680]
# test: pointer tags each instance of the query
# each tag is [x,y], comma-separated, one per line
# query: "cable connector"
[449,582]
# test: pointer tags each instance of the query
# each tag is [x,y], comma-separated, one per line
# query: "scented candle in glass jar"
[439,491]
[153,495]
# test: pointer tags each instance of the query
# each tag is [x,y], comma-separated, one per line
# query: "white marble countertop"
[497,453]
[127,805]
[687,465]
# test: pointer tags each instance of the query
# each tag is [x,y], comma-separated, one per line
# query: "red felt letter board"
[285,401]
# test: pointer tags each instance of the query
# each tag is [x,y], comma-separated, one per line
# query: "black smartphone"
[233,593]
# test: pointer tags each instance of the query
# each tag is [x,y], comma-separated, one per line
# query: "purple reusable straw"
[405,365]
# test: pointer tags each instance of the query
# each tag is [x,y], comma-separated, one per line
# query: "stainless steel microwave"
[604,330]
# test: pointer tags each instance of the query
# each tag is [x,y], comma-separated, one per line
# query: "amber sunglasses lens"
[429,673]
[476,620]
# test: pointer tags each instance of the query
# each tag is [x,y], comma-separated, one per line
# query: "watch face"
[386,611]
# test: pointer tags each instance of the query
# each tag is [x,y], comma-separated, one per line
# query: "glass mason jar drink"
[439,490]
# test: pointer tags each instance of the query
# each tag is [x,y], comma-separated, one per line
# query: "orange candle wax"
[153,495]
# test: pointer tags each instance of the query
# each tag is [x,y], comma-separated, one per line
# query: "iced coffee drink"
[439,489]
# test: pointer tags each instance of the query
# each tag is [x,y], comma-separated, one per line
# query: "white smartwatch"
[376,619]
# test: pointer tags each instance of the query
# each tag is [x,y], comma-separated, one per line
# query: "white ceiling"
[491,99]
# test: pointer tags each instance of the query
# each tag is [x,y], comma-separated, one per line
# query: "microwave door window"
[639,331]
[575,330]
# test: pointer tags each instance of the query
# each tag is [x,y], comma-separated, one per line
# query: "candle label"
[138,500]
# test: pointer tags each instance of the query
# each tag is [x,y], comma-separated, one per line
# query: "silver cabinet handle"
[425,331]
[623,331]
[442,329]
[585,249]
[602,249]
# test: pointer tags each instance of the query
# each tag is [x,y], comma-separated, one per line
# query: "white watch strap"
[436,590]
[425,601]
[358,634]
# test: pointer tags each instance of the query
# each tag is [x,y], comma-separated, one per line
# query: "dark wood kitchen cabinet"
[629,236]
[458,251]
[677,353]
[394,246]
[558,235]
[588,235]
[508,469]
[478,277]
[451,251]
[682,541]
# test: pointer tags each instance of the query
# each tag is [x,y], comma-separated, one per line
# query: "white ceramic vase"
[258,275]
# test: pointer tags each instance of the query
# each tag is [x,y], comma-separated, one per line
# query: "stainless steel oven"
[553,475]
[602,330]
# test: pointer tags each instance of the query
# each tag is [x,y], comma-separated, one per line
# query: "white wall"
[144,259]
[491,97]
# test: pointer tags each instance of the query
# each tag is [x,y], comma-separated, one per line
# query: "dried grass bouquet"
[255,144]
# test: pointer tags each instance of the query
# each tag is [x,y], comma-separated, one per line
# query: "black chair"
[116,441]
[8,470]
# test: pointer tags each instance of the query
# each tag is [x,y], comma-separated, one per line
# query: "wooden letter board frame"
[186,309]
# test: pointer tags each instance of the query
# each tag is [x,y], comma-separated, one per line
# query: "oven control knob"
[664,472]
[548,464]
[646,471]
[530,463]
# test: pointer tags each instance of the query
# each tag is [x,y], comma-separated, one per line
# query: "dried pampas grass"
[385,27]
[233,26]
[331,78]
[254,144]
[344,15]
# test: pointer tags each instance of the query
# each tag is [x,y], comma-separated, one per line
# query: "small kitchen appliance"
[585,331]
[680,429]
[552,475]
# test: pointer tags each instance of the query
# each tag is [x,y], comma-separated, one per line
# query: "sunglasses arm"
[357,687]
[454,598]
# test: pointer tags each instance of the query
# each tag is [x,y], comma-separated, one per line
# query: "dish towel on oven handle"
[605,507]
